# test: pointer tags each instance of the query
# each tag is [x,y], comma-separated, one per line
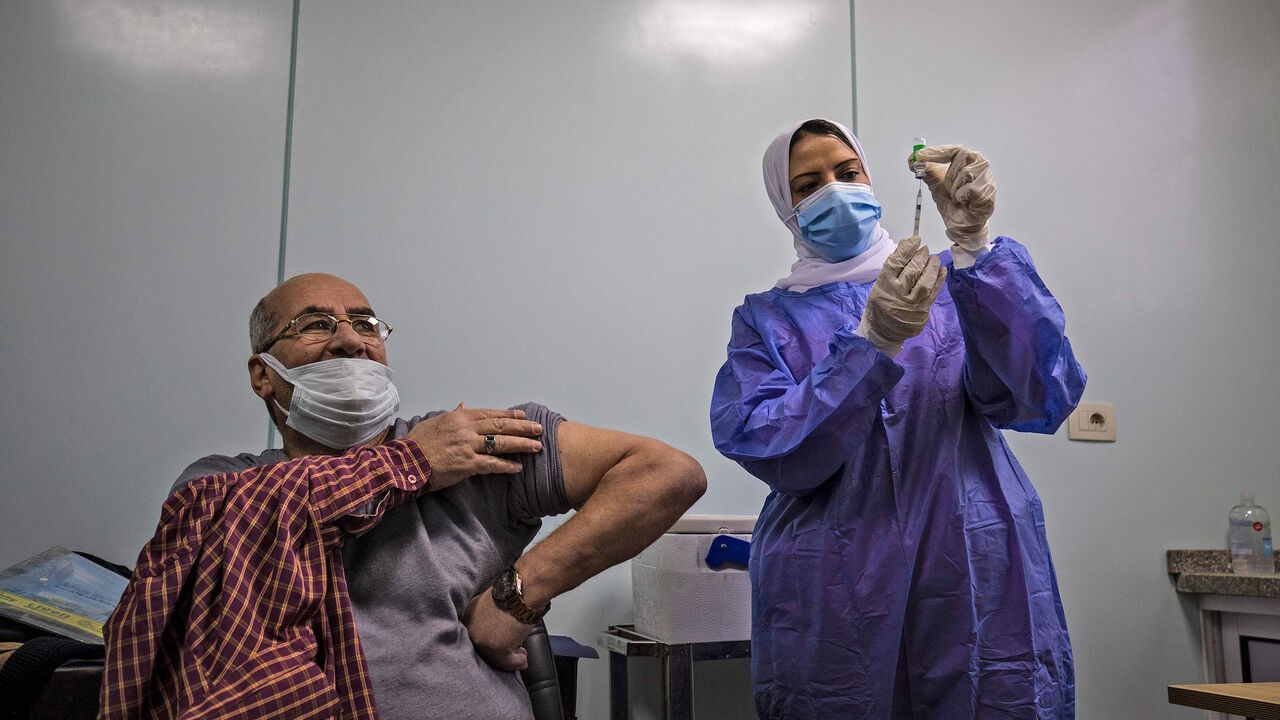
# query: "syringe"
[915,229]
[918,166]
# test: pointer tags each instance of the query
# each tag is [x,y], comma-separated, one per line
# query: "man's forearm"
[636,500]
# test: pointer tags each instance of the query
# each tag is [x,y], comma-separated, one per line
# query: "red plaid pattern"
[238,607]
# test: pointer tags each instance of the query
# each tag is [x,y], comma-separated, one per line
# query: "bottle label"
[1257,526]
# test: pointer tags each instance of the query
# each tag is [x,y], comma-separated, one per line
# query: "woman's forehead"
[819,149]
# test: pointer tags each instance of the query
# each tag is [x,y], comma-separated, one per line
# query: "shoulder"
[775,306]
[214,464]
[400,427]
[768,297]
[777,297]
[539,413]
[753,304]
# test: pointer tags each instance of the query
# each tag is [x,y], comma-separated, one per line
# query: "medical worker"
[899,567]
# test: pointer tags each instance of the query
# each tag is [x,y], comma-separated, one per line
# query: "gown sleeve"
[792,433]
[1019,369]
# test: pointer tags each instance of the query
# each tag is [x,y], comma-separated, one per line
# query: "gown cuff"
[864,331]
[962,258]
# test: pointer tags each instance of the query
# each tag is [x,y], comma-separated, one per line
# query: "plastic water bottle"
[1251,538]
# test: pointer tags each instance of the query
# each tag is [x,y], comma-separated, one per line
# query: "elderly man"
[444,579]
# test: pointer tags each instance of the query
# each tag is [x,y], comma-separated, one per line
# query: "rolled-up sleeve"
[1020,370]
[538,491]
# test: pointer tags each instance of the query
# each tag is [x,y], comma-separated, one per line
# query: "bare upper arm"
[587,453]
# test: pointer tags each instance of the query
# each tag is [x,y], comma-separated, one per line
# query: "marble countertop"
[1208,572]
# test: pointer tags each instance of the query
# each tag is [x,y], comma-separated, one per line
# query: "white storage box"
[679,598]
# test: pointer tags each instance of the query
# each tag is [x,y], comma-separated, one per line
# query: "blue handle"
[726,548]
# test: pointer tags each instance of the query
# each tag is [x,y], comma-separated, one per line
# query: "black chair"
[72,690]
[562,664]
[51,678]
[540,678]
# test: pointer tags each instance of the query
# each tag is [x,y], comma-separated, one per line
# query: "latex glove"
[964,190]
[899,302]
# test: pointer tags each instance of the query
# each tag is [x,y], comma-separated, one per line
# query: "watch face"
[507,596]
[507,586]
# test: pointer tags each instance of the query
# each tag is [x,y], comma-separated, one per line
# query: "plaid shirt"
[238,606]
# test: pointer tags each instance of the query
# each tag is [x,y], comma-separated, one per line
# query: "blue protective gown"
[899,567]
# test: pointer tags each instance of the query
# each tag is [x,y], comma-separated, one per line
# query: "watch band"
[508,594]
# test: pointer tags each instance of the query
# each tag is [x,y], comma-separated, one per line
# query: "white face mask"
[339,403]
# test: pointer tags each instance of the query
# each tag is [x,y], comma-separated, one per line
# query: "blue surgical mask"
[839,221]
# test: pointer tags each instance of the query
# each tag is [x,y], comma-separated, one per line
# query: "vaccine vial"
[917,165]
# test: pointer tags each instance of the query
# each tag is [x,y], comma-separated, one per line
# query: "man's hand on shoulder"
[497,636]
[457,448]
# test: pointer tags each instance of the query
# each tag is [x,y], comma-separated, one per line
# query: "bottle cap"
[1246,497]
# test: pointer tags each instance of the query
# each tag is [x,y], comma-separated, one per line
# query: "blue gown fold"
[899,566]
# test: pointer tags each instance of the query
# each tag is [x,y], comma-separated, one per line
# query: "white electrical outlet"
[1093,421]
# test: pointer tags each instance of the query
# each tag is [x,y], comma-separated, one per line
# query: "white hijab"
[810,269]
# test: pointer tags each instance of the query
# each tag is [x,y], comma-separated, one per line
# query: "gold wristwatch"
[508,594]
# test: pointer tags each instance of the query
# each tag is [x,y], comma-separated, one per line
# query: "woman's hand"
[962,186]
[899,303]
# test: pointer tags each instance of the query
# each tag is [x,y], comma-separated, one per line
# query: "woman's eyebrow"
[855,161]
[804,174]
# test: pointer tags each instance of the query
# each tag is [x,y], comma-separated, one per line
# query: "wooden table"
[1259,700]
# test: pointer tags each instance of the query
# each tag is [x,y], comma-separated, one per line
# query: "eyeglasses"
[319,327]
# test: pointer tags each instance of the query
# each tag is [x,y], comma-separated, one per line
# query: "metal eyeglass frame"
[382,336]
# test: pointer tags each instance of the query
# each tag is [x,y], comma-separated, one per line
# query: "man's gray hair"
[261,321]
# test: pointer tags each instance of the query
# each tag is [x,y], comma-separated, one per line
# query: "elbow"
[1058,414]
[1061,400]
[694,480]
[682,478]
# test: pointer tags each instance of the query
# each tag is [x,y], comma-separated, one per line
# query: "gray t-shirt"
[411,577]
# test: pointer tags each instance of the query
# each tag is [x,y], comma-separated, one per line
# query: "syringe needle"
[915,231]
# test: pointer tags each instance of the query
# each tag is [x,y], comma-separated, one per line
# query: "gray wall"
[565,205]
[141,149]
